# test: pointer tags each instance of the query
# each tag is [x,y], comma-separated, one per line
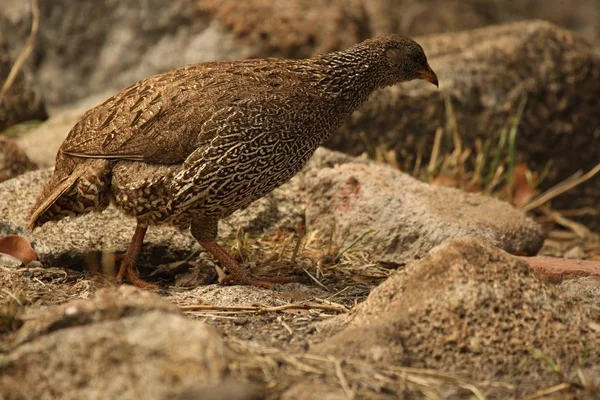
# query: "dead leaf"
[18,247]
[524,183]
[445,180]
[559,269]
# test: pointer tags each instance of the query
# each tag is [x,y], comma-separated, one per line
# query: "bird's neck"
[350,77]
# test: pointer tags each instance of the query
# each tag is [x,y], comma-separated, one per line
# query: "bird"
[191,146]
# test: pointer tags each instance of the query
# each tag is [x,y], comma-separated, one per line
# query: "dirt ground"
[274,329]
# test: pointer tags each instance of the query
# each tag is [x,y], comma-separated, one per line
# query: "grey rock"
[296,28]
[113,44]
[406,217]
[70,242]
[116,354]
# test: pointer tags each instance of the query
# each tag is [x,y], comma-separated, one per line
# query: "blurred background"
[518,98]
[87,46]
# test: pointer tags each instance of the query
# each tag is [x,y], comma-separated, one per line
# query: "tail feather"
[49,196]
[73,190]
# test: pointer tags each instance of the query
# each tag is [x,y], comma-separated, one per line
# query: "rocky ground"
[406,288]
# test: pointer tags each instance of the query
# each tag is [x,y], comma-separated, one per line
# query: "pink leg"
[128,264]
[237,273]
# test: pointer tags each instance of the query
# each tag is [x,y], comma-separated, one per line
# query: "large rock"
[485,74]
[296,28]
[42,142]
[113,44]
[409,217]
[121,344]
[470,308]
[13,160]
[22,101]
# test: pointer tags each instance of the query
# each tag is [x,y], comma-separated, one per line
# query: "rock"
[42,143]
[559,269]
[107,304]
[584,289]
[117,43]
[114,353]
[13,160]
[23,101]
[405,217]
[408,215]
[469,308]
[71,242]
[296,29]
[486,73]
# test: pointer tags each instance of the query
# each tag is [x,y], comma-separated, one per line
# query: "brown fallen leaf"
[524,182]
[445,180]
[18,247]
[559,269]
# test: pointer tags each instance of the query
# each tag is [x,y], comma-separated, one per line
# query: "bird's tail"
[83,190]
[50,194]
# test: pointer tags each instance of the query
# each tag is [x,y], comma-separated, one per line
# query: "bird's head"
[404,59]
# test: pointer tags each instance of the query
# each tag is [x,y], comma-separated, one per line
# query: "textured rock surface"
[113,347]
[410,217]
[13,160]
[486,73]
[68,242]
[470,308]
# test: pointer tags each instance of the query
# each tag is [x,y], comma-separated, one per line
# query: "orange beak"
[429,76]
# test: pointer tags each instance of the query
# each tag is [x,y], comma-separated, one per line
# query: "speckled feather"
[202,141]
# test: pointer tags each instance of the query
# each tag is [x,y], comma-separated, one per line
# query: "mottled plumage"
[193,145]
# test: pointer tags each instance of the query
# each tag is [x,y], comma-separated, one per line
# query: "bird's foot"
[128,272]
[237,273]
[254,280]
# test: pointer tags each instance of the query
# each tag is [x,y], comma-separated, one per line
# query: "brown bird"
[195,144]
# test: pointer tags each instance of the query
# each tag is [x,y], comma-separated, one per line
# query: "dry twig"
[563,187]
[262,309]
[16,68]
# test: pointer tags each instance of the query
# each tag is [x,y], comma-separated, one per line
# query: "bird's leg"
[128,267]
[239,274]
[205,232]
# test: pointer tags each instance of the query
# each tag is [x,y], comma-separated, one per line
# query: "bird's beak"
[429,76]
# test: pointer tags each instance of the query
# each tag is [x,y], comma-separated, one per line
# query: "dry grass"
[494,167]
[279,370]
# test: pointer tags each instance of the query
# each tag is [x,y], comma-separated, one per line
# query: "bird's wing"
[243,140]
[161,119]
